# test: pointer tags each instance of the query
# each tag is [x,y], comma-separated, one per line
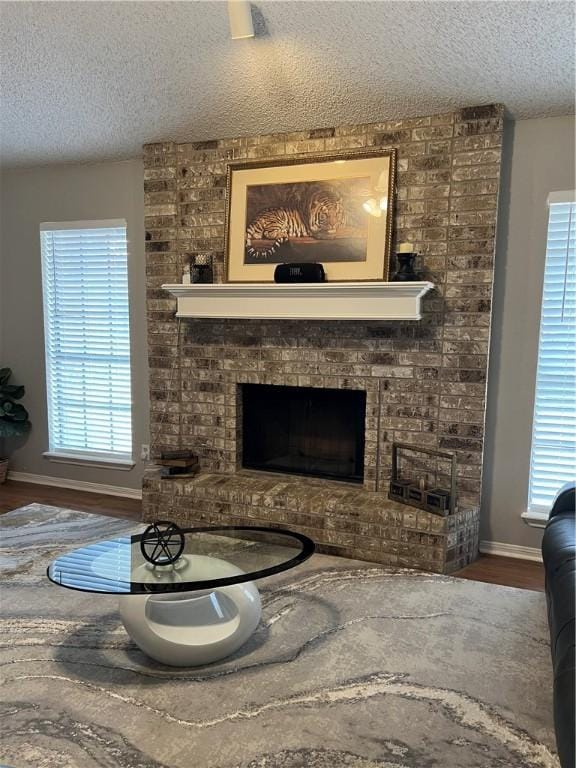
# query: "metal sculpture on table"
[162,543]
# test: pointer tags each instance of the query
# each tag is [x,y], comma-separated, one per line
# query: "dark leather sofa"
[559,554]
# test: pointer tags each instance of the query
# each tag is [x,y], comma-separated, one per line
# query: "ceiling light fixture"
[240,16]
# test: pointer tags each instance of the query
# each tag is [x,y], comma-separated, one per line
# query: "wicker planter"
[3,470]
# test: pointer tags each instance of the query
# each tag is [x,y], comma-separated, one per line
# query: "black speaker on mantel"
[299,273]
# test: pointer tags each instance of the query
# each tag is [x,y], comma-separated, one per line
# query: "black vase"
[405,273]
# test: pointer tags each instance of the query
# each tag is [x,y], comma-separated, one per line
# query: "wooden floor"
[15,494]
[507,571]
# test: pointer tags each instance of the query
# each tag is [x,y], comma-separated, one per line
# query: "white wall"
[541,161]
[66,193]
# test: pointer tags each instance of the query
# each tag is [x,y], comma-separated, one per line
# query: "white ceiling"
[86,81]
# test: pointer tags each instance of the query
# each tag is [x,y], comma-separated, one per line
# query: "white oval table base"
[189,629]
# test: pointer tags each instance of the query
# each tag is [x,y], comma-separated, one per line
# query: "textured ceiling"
[95,80]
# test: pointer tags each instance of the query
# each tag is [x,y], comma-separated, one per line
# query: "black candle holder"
[201,268]
[406,272]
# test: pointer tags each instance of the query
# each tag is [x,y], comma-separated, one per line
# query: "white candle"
[405,248]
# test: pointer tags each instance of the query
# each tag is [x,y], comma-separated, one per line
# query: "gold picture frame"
[335,209]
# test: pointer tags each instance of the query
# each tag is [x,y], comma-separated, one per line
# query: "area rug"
[353,666]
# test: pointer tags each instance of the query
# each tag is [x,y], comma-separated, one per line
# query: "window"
[87,336]
[553,460]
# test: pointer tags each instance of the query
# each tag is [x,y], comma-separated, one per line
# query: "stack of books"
[175,464]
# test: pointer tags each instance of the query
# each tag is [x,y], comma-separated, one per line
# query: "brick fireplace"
[424,381]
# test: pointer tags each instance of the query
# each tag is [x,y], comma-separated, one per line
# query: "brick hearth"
[342,520]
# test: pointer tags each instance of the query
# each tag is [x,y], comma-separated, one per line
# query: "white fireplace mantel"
[300,301]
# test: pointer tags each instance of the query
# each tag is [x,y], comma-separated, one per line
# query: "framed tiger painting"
[336,210]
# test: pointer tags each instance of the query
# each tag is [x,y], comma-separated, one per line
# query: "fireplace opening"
[304,431]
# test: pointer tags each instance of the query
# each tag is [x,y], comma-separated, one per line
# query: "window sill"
[535,519]
[102,462]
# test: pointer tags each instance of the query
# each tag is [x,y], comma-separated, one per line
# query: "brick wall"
[427,378]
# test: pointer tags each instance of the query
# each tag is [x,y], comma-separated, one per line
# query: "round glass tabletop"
[211,558]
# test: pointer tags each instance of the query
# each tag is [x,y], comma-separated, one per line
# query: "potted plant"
[13,415]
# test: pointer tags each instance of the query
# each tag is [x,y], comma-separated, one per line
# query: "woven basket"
[3,470]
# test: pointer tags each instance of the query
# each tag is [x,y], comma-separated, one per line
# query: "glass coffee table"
[187,597]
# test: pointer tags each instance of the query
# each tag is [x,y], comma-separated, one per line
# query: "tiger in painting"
[318,213]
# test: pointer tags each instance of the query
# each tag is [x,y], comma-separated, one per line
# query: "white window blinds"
[87,336]
[553,460]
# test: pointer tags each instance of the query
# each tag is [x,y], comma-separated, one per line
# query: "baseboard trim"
[76,485]
[511,550]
